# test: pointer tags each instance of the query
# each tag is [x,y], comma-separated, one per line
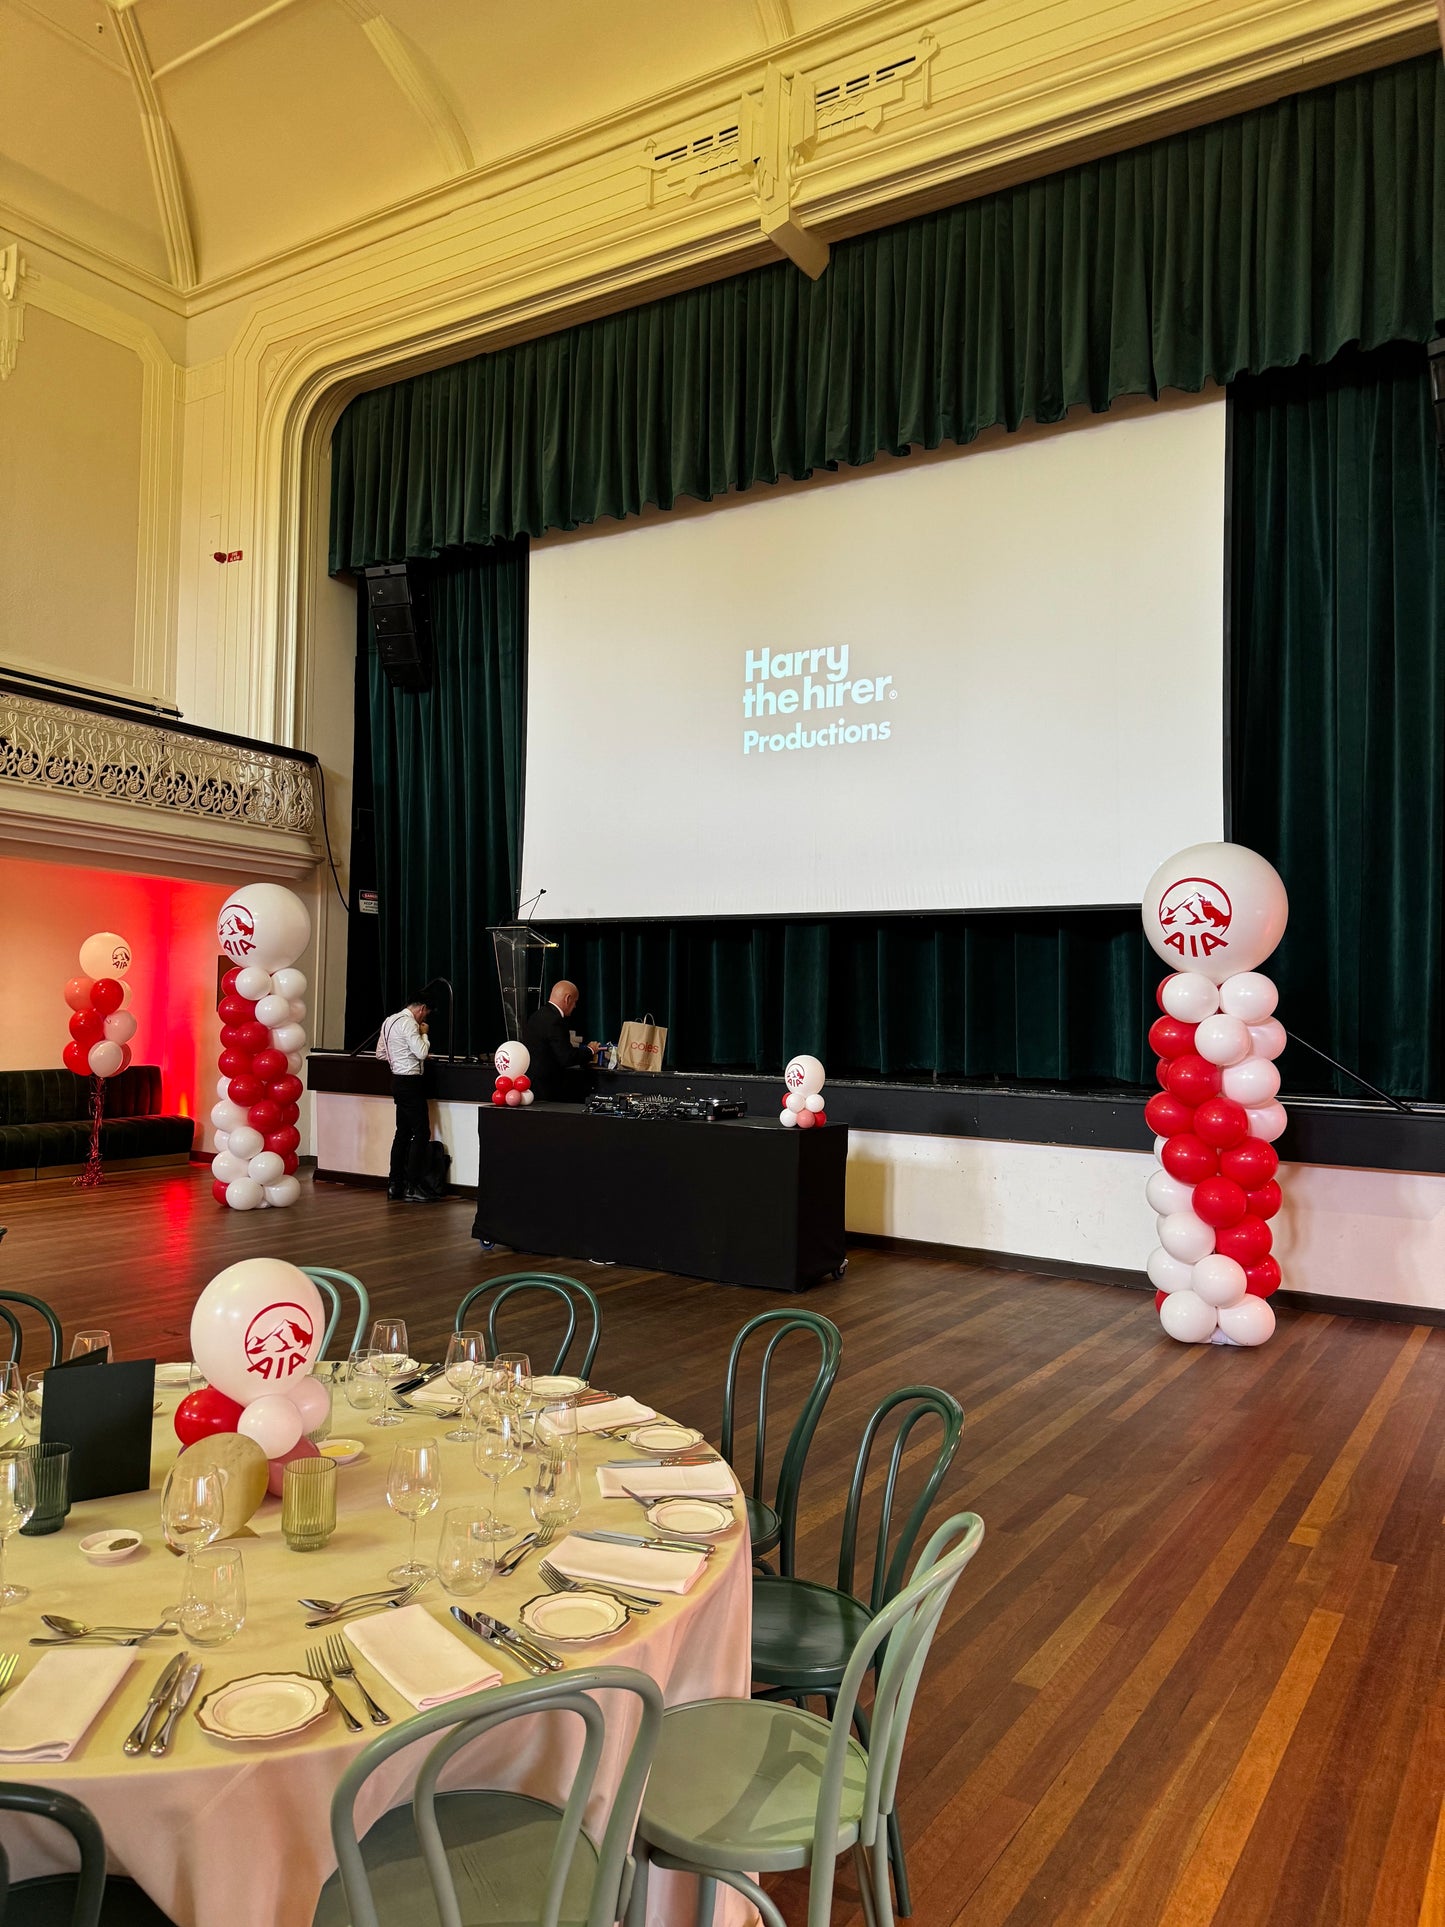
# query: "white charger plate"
[573,1618]
[695,1517]
[663,1435]
[263,1706]
[557,1385]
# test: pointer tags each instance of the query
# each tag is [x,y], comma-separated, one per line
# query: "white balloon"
[223,1139]
[105,1058]
[273,1422]
[1168,1274]
[1255,1081]
[253,982]
[805,1075]
[1185,1316]
[1159,1144]
[1222,1040]
[226,1116]
[246,1141]
[1219,1280]
[267,1167]
[1166,1194]
[1215,908]
[1250,1322]
[1250,995]
[795,1102]
[257,1325]
[105,955]
[1268,1038]
[511,1059]
[788,1118]
[813,1103]
[294,1061]
[263,924]
[226,1167]
[311,1399]
[1266,1121]
[120,1027]
[284,1191]
[223,1089]
[1189,997]
[288,1037]
[272,1010]
[289,983]
[297,1008]
[1186,1237]
[527,1096]
[244,1194]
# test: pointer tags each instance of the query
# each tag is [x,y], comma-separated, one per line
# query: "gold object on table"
[246,1470]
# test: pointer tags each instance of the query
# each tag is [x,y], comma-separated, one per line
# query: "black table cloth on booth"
[741,1202]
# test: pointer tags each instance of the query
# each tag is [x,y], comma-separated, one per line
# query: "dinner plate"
[263,1706]
[557,1385]
[344,1451]
[663,1435]
[692,1516]
[572,1618]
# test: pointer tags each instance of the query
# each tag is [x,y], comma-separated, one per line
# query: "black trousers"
[413,1132]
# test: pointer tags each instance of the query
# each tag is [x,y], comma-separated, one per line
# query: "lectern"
[518,949]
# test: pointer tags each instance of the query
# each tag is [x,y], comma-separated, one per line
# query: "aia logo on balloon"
[278,1342]
[237,932]
[1194,915]
[793,1076]
[120,958]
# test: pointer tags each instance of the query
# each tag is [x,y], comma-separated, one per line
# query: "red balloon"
[245,1090]
[1251,1164]
[1167,1117]
[254,1036]
[268,1063]
[1159,1298]
[820,1118]
[1247,1242]
[202,1414]
[287,1113]
[76,1057]
[285,1090]
[1222,1123]
[504,1083]
[283,1141]
[218,1191]
[1159,991]
[291,1162]
[276,1478]
[230,1037]
[1191,1079]
[106,995]
[235,1010]
[522,1083]
[1161,1073]
[77,993]
[264,1116]
[125,1057]
[1219,1202]
[1264,1202]
[499,1097]
[1169,1038]
[87,1028]
[1264,1279]
[228,982]
[235,1063]
[1185,1157]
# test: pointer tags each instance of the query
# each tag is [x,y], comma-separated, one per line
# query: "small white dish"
[344,1451]
[263,1706]
[110,1547]
[663,1435]
[573,1618]
[693,1517]
[557,1385]
[175,1375]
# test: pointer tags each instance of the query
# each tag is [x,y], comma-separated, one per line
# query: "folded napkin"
[421,1659]
[711,1481]
[436,1397]
[55,1705]
[648,1568]
[612,1412]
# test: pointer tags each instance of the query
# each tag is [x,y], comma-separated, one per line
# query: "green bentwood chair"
[7,1317]
[83,1899]
[571,1291]
[772,1523]
[328,1282]
[751,1786]
[492,1856]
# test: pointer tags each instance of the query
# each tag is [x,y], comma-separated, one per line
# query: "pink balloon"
[311,1399]
[105,1058]
[273,1422]
[1266,1121]
[512,1097]
[302,1449]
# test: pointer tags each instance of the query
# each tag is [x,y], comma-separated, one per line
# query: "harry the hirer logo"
[278,1341]
[238,932]
[1194,915]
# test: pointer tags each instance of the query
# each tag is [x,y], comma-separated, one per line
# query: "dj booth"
[740,1201]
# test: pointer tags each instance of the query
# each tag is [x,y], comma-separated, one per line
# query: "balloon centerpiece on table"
[803,1100]
[101,1029]
[513,1086]
[263,928]
[1215,912]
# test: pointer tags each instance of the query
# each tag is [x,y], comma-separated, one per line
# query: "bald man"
[557,1062]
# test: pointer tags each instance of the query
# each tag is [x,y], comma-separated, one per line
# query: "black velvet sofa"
[45,1122]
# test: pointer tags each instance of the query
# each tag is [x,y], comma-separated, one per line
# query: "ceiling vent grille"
[858,98]
[683,164]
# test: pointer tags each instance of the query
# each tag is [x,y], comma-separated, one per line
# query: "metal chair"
[569,1290]
[86,1899]
[328,1283]
[490,1855]
[7,1317]
[772,1523]
[741,1787]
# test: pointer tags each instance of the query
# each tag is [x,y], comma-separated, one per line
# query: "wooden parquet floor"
[1193,1676]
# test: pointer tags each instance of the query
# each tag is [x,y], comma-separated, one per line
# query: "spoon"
[71,1630]
[335,1605]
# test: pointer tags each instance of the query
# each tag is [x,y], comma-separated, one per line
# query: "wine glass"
[193,1504]
[366,1382]
[556,1496]
[413,1489]
[498,1450]
[31,1395]
[10,1391]
[466,1356]
[89,1341]
[17,1503]
[388,1344]
[512,1375]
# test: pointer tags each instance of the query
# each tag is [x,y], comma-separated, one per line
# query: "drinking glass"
[413,1489]
[498,1451]
[466,1356]
[389,1347]
[30,1397]
[10,1389]
[17,1502]
[365,1382]
[91,1341]
[308,1503]
[322,1430]
[466,1557]
[556,1489]
[214,1608]
[513,1375]
[193,1503]
[52,1488]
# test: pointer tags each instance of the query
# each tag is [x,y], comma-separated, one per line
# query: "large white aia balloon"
[804,1076]
[263,924]
[105,955]
[257,1325]
[511,1059]
[1215,909]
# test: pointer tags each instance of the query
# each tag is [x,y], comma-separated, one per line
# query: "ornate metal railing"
[101,752]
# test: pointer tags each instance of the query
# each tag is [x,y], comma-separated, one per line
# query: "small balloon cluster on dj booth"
[803,1103]
[263,928]
[513,1086]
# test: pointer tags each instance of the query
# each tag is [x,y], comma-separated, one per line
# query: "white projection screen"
[987,680]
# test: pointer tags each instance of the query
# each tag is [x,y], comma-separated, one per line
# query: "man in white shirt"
[404,1045]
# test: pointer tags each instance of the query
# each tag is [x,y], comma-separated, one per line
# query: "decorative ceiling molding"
[775,18]
[13,273]
[93,47]
[413,76]
[160,149]
[204,47]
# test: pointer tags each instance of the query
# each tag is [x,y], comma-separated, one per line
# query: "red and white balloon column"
[803,1103]
[263,928]
[101,1028]
[513,1087]
[1214,912]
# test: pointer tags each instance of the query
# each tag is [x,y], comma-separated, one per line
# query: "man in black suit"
[557,1063]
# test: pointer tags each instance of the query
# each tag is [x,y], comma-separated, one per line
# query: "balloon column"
[263,929]
[513,1086]
[1214,912]
[803,1103]
[256,1331]
[100,1028]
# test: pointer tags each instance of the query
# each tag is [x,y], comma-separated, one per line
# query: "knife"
[659,1545]
[523,1644]
[513,1558]
[136,1739]
[179,1701]
[672,1460]
[415,1380]
[489,1630]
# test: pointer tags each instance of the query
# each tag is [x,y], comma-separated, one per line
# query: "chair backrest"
[901,1411]
[328,1282]
[781,1325]
[46,1803]
[906,1626]
[7,1317]
[569,1290]
[462,1721]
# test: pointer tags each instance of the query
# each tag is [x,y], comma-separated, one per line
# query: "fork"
[350,1612]
[543,1536]
[341,1665]
[8,1663]
[316,1666]
[556,1581]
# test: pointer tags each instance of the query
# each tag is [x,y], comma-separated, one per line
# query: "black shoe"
[414,1196]
[395,1195]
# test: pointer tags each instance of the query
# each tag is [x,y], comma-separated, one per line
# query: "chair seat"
[735,1785]
[803,1634]
[498,1846]
[765,1528]
[49,1901]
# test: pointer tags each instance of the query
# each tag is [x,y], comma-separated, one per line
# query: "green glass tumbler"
[308,1503]
[52,1488]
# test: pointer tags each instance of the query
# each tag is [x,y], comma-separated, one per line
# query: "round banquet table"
[227,1835]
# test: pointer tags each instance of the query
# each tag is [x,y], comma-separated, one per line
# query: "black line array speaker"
[397,599]
[1436,352]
